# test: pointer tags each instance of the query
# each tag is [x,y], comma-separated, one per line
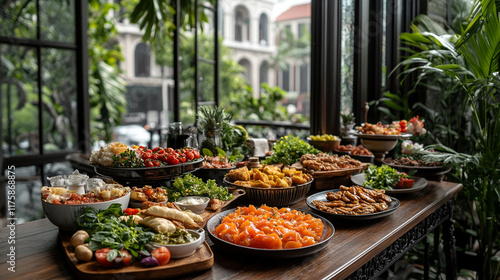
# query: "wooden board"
[202,259]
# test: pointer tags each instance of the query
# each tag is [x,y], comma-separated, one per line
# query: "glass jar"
[174,131]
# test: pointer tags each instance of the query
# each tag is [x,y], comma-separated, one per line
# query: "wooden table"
[358,250]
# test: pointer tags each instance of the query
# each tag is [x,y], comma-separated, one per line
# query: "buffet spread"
[122,223]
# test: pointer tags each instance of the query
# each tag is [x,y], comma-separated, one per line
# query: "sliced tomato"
[101,256]
[405,183]
[132,211]
[162,254]
[123,259]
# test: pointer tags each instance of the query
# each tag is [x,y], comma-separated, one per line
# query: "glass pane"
[59,99]
[347,62]
[57,21]
[19,93]
[17,19]
[384,43]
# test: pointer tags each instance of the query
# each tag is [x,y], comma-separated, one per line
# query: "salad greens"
[383,177]
[107,230]
[289,149]
[192,185]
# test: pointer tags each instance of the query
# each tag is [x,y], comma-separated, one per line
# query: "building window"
[142,59]
[241,24]
[304,78]
[248,70]
[263,26]
[264,73]
[285,78]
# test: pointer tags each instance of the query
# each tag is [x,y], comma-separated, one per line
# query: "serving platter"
[149,173]
[420,183]
[395,203]
[328,231]
[202,259]
[332,173]
[382,136]
[428,172]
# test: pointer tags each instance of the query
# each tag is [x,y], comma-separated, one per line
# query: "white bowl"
[184,250]
[64,215]
[195,208]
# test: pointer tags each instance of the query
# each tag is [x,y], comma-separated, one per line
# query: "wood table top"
[39,253]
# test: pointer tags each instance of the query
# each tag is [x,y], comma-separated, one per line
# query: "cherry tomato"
[161,151]
[170,150]
[147,155]
[196,153]
[405,183]
[148,163]
[101,256]
[172,160]
[156,149]
[182,159]
[123,259]
[162,254]
[163,158]
[189,155]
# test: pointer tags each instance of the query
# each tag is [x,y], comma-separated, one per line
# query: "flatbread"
[172,214]
[158,224]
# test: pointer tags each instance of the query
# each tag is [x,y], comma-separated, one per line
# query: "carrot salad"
[270,228]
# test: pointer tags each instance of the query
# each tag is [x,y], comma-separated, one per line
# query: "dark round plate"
[328,231]
[423,171]
[150,173]
[322,197]
[420,183]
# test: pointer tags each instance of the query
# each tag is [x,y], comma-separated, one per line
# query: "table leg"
[449,248]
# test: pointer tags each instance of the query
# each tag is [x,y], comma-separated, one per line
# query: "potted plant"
[470,66]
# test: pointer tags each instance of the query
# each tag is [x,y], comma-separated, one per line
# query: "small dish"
[184,250]
[195,204]
[420,183]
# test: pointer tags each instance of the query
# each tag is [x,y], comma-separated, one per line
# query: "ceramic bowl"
[184,250]
[196,208]
[325,146]
[64,215]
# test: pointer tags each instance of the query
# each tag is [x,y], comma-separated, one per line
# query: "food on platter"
[386,177]
[354,200]
[117,154]
[178,236]
[60,195]
[324,137]
[171,214]
[325,162]
[148,193]
[268,176]
[288,150]
[217,162]
[195,204]
[270,228]
[190,185]
[413,154]
[359,150]
[414,126]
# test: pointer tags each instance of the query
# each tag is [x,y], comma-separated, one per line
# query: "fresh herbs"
[192,185]
[127,159]
[289,149]
[107,230]
[383,177]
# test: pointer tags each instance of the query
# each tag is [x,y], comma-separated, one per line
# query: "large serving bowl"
[184,250]
[326,146]
[380,145]
[64,215]
[278,197]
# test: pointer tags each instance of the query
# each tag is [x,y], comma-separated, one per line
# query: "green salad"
[383,177]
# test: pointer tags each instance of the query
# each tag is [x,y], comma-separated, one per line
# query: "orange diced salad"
[270,228]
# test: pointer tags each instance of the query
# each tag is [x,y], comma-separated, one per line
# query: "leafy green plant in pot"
[476,74]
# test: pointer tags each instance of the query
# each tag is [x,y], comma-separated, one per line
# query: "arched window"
[263,73]
[241,24]
[142,58]
[248,70]
[285,78]
[263,26]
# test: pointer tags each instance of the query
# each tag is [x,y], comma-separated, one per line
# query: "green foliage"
[192,185]
[289,149]
[469,69]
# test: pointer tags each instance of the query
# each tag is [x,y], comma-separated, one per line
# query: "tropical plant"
[470,67]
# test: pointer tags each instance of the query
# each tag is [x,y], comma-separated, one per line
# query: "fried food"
[325,162]
[171,214]
[268,176]
[354,200]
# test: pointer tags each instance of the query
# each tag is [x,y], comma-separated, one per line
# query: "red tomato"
[148,163]
[161,151]
[146,155]
[101,255]
[170,150]
[172,160]
[156,149]
[156,163]
[189,155]
[163,158]
[162,254]
[405,183]
[132,211]
[196,153]
[123,259]
[182,159]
